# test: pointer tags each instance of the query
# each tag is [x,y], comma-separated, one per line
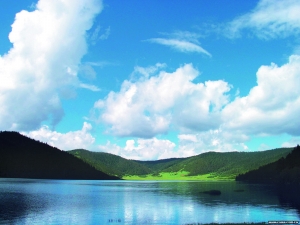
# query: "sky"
[155,79]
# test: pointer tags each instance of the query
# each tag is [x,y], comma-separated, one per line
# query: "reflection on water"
[25,201]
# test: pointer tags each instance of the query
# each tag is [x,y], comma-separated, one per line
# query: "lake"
[30,201]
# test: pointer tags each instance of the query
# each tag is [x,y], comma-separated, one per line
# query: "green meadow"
[181,175]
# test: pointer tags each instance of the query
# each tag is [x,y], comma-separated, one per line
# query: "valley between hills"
[210,166]
[23,157]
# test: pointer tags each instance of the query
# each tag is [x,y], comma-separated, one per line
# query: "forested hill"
[214,164]
[111,164]
[161,164]
[22,157]
[228,164]
[283,171]
[116,165]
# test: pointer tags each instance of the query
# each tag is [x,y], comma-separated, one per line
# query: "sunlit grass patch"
[180,175]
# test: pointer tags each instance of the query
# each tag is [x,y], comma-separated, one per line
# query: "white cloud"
[270,19]
[293,142]
[263,147]
[183,41]
[105,35]
[187,137]
[142,149]
[101,63]
[68,141]
[215,140]
[90,87]
[201,105]
[180,45]
[189,145]
[207,121]
[87,71]
[185,35]
[48,44]
[148,106]
[95,35]
[271,107]
[146,72]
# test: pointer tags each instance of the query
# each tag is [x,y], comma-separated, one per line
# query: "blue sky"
[151,79]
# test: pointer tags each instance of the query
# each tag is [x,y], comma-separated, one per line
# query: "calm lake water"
[29,201]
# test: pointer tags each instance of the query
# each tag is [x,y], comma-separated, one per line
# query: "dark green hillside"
[283,171]
[214,164]
[162,164]
[111,164]
[228,164]
[22,157]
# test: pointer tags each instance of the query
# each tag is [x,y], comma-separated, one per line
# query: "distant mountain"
[283,171]
[22,157]
[217,164]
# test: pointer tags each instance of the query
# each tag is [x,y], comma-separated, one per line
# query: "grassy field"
[182,175]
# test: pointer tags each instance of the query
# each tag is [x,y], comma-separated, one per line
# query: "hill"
[161,164]
[211,164]
[227,164]
[27,158]
[118,166]
[22,157]
[111,164]
[283,171]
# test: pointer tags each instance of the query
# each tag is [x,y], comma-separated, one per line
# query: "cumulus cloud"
[148,106]
[271,107]
[270,19]
[189,145]
[68,141]
[150,149]
[48,44]
[216,140]
[187,137]
[202,113]
[294,141]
